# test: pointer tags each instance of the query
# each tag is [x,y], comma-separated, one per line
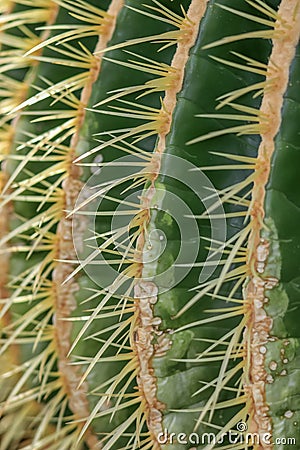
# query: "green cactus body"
[149,225]
[281,300]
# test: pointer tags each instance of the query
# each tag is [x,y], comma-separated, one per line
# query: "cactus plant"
[149,224]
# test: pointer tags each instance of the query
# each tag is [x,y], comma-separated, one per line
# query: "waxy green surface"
[282,217]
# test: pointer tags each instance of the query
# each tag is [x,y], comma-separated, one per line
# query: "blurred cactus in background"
[149,226]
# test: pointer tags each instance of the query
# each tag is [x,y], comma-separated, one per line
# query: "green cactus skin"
[120,327]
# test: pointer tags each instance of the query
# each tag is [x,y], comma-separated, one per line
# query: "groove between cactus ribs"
[67,234]
[284,44]
[145,291]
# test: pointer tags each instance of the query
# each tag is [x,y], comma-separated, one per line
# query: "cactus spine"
[149,211]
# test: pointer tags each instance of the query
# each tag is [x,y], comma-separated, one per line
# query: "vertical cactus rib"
[65,301]
[4,150]
[55,297]
[281,302]
[285,40]
[16,423]
[268,117]
[190,29]
[223,399]
[149,224]
[145,291]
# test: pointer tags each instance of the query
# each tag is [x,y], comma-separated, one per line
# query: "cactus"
[149,224]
